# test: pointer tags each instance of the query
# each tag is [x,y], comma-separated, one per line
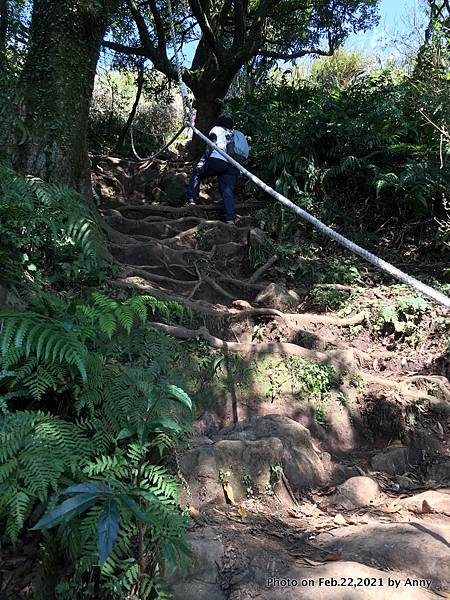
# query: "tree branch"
[299,54]
[206,28]
[129,50]
[159,26]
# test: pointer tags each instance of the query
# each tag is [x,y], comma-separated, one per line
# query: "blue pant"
[227,175]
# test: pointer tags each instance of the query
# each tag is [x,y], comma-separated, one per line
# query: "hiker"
[213,164]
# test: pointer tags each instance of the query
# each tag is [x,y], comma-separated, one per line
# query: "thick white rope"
[372,258]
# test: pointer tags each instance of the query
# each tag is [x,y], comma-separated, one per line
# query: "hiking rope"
[372,258]
[153,156]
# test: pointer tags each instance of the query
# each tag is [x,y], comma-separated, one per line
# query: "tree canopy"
[224,36]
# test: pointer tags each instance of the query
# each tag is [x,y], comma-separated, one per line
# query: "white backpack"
[238,147]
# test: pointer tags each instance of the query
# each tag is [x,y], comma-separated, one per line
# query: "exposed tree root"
[259,272]
[156,209]
[342,359]
[184,254]
[437,380]
[207,309]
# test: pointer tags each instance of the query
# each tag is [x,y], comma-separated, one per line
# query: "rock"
[250,449]
[417,548]
[440,471]
[200,581]
[340,473]
[302,464]
[241,305]
[317,584]
[232,564]
[396,461]
[175,186]
[257,238]
[158,195]
[356,492]
[431,501]
[405,483]
[278,296]
[237,459]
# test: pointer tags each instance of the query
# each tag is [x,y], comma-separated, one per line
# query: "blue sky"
[397,19]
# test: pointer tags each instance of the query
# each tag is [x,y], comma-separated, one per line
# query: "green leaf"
[108,530]
[108,324]
[170,554]
[166,424]
[66,511]
[124,433]
[87,488]
[180,395]
[134,508]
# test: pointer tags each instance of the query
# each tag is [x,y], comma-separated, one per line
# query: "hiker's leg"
[198,174]
[227,186]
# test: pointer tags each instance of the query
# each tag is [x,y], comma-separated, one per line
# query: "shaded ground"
[261,471]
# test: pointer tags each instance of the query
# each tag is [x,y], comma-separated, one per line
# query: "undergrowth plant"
[401,319]
[48,235]
[91,476]
[339,146]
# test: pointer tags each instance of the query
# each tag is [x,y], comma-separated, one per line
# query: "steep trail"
[187,254]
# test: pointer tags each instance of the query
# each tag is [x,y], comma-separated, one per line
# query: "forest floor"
[327,482]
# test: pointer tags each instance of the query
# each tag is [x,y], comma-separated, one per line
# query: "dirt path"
[265,478]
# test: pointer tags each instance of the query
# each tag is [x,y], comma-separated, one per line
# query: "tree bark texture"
[126,127]
[56,89]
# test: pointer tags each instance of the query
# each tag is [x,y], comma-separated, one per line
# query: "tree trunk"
[209,104]
[126,127]
[56,89]
[3,31]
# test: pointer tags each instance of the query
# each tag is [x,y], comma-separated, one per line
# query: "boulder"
[356,492]
[278,296]
[235,564]
[158,195]
[235,459]
[417,548]
[431,501]
[440,471]
[250,450]
[302,464]
[200,581]
[396,461]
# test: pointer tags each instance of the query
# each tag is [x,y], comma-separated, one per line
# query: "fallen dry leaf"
[194,513]
[307,562]
[332,557]
[392,508]
[229,493]
[242,512]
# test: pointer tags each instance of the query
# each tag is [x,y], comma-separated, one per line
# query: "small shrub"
[48,235]
[401,319]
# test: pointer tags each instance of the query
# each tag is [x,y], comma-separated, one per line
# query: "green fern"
[47,233]
[35,451]
[122,412]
